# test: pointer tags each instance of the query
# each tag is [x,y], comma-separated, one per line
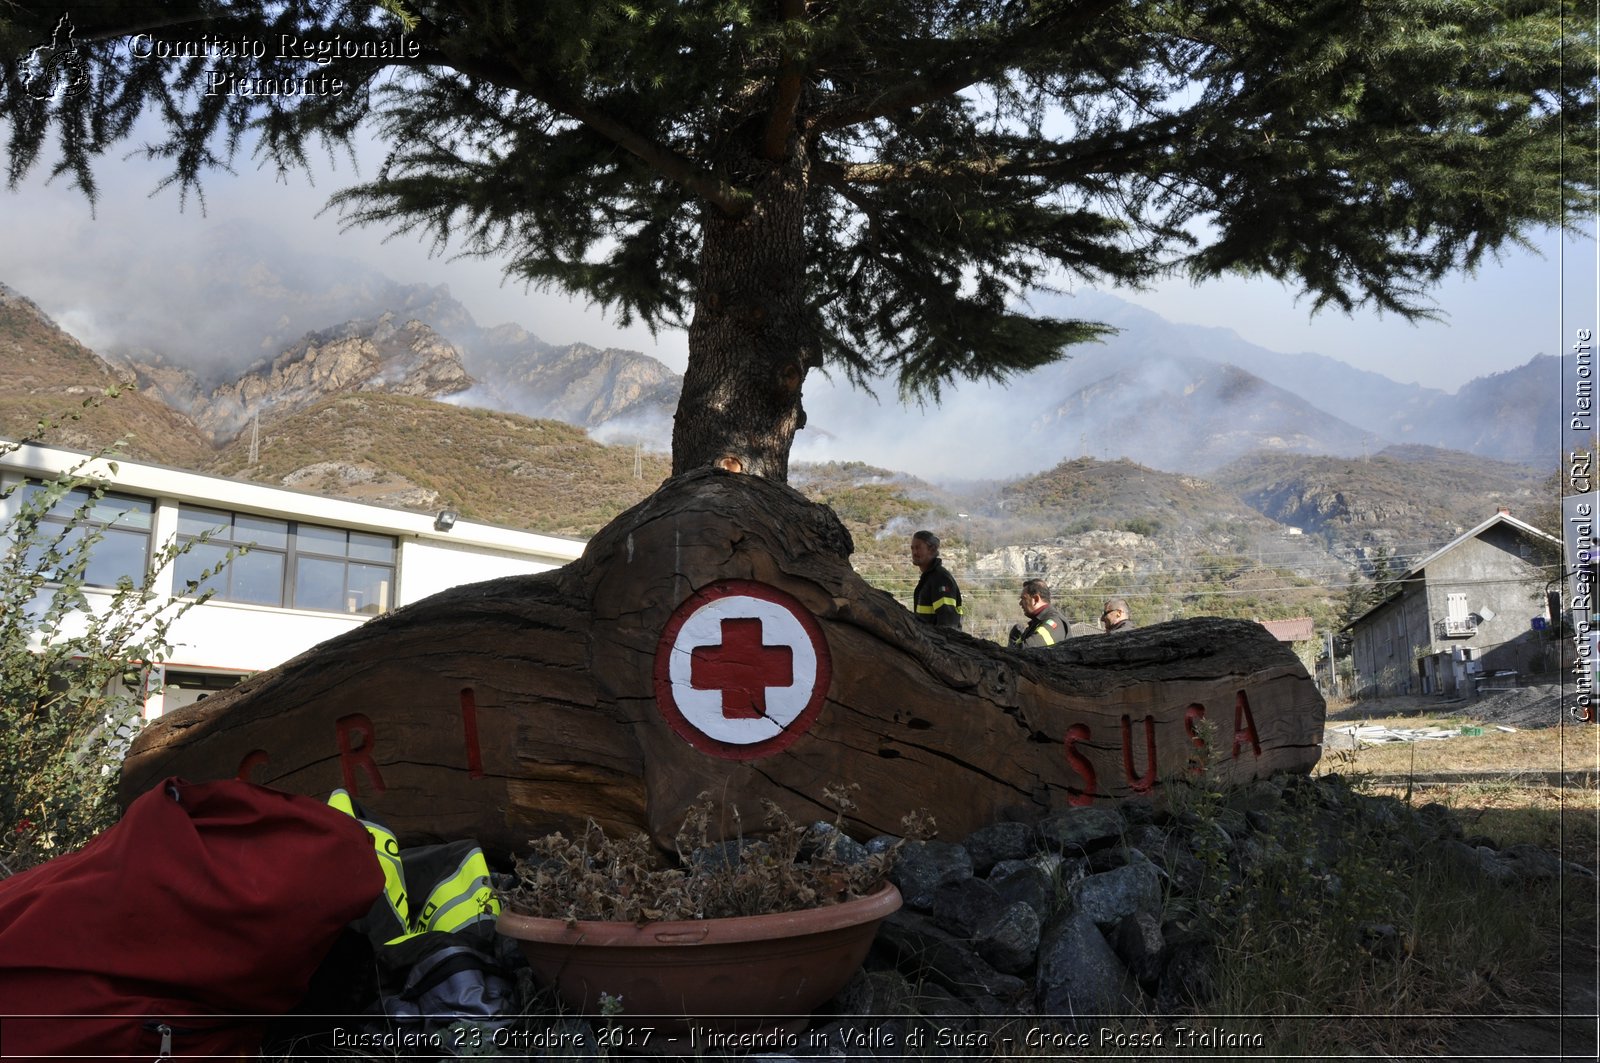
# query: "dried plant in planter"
[790,867]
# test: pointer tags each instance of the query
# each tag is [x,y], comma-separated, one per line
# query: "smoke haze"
[218,290]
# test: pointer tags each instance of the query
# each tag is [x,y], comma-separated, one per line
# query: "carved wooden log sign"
[714,637]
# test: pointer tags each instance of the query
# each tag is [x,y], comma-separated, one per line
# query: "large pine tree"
[870,186]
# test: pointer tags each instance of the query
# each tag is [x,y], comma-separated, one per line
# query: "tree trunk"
[750,342]
[714,638]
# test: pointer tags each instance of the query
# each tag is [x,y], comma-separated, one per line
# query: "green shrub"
[72,677]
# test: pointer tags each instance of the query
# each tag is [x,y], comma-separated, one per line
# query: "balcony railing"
[1463,628]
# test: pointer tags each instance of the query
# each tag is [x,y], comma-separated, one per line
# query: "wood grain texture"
[506,709]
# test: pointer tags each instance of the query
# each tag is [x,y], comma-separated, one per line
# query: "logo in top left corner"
[58,69]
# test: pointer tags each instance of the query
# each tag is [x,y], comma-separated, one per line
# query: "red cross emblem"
[742,667]
[741,670]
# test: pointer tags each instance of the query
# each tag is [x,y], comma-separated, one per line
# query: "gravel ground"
[1528,708]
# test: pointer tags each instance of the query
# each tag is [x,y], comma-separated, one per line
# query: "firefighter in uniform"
[1046,626]
[937,599]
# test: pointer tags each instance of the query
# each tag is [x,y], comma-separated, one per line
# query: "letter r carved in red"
[353,753]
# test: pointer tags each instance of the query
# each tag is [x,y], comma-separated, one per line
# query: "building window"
[343,571]
[121,553]
[254,576]
[181,688]
[285,563]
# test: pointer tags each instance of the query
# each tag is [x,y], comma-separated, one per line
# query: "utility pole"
[1333,670]
[255,437]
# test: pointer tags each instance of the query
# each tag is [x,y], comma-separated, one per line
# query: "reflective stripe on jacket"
[387,846]
[454,877]
[937,599]
[466,896]
[1047,629]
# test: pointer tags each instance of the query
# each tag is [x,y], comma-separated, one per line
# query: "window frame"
[302,540]
[68,516]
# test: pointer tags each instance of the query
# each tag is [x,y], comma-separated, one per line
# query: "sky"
[1496,319]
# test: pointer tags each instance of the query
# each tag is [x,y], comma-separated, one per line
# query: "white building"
[315,568]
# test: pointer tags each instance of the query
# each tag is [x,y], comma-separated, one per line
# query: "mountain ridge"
[1478,418]
[428,344]
[403,366]
[1239,541]
[274,298]
[1228,412]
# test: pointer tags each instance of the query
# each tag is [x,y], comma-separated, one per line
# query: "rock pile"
[1105,910]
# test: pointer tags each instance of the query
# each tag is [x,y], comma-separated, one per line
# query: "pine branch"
[992,59]
[1118,153]
[722,194]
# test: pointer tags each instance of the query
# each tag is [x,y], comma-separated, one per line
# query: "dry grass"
[1542,751]
[1510,791]
[497,467]
[1564,820]
[1526,802]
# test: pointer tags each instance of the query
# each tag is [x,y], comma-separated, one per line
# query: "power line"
[1404,559]
[1133,589]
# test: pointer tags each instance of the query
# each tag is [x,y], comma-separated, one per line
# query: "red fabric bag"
[205,910]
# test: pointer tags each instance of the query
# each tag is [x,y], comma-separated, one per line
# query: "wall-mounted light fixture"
[445,520]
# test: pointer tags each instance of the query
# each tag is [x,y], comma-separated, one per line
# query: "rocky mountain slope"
[381,355]
[1408,500]
[1273,535]
[1175,544]
[1189,415]
[418,341]
[1515,414]
[352,411]
[375,442]
[623,392]
[1509,416]
[249,297]
[49,376]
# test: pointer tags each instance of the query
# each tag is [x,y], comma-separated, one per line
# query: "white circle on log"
[743,669]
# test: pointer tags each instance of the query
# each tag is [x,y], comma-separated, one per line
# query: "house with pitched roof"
[1470,614]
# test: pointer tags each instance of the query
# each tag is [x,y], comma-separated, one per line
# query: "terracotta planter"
[734,975]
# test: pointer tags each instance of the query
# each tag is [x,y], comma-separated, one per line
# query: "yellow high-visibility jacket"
[937,599]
